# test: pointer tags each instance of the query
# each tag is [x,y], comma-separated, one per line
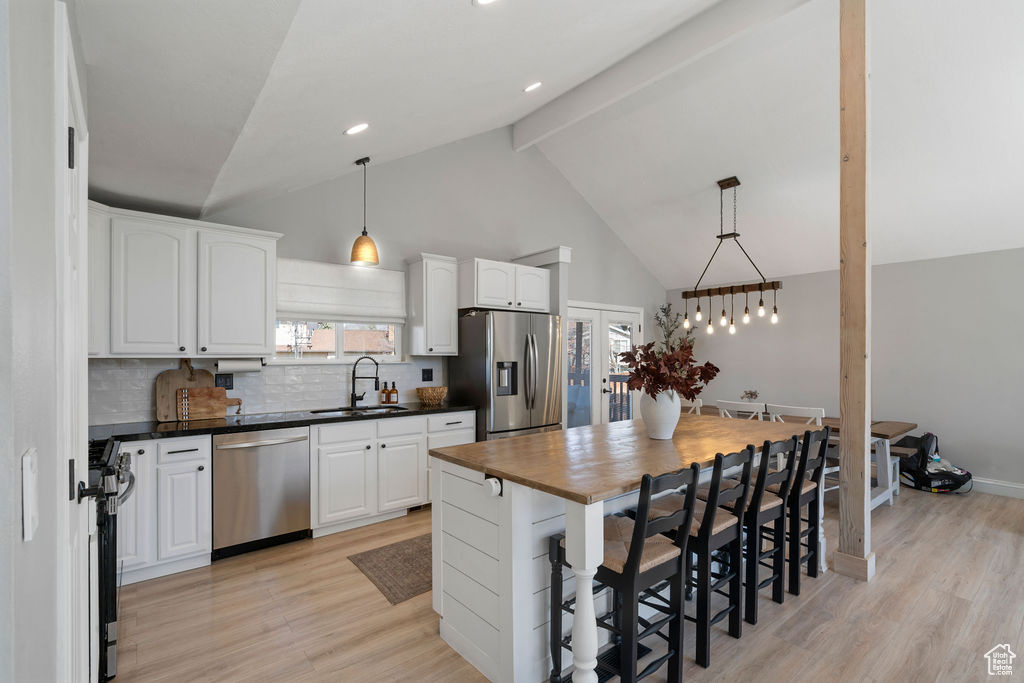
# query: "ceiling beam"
[708,31]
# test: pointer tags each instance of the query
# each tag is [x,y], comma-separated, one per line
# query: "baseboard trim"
[997,487]
[356,523]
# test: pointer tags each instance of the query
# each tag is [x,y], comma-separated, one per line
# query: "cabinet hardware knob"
[383,445]
[201,468]
[431,348]
[203,349]
[181,348]
[509,303]
[519,303]
[142,451]
[367,446]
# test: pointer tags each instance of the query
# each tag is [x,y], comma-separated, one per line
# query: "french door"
[596,390]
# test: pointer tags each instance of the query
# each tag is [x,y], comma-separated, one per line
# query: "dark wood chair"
[716,530]
[805,494]
[765,520]
[640,560]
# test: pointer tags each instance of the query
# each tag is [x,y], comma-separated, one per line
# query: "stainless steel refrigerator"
[510,367]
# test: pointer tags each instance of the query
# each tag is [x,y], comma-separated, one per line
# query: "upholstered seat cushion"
[618,534]
[807,487]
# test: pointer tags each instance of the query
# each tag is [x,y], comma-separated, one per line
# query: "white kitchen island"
[497,502]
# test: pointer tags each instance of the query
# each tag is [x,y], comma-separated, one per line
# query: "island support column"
[853,556]
[584,550]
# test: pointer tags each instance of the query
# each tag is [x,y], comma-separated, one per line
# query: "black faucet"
[376,380]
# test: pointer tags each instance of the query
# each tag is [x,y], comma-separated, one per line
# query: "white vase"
[660,415]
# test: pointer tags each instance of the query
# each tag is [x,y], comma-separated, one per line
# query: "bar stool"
[717,530]
[806,492]
[640,560]
[765,519]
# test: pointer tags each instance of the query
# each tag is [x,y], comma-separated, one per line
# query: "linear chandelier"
[731,290]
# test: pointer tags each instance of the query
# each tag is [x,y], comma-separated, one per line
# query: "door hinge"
[71,148]
[640,328]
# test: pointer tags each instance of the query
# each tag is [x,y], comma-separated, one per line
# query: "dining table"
[883,433]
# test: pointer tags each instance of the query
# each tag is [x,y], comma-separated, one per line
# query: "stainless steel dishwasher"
[260,489]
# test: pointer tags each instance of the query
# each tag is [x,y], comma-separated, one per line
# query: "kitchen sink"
[368,410]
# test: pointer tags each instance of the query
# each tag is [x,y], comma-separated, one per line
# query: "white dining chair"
[808,416]
[777,413]
[692,407]
[736,409]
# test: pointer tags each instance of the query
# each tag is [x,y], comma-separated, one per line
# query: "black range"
[139,431]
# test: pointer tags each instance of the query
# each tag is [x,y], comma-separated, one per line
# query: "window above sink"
[304,341]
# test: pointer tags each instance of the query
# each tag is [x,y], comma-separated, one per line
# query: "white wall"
[8,519]
[947,336]
[32,260]
[474,197]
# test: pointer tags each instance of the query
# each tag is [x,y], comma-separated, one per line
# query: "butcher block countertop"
[598,462]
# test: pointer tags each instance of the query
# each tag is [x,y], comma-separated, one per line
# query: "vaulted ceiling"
[947,106]
[196,105]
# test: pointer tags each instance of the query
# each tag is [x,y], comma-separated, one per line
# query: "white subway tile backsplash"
[122,390]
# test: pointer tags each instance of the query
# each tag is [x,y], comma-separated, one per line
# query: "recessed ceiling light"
[358,128]
[481,3]
[532,87]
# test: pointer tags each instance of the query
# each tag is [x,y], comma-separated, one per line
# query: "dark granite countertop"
[140,431]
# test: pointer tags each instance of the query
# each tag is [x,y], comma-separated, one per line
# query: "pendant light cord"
[364,199]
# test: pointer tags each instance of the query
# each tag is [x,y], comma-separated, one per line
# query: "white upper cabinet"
[495,284]
[170,287]
[152,288]
[504,286]
[433,306]
[236,294]
[533,288]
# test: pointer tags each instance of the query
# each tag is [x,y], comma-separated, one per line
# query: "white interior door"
[76,519]
[596,389]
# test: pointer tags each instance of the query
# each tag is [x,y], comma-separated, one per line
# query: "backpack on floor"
[926,471]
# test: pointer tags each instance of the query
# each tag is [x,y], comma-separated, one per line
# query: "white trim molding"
[606,307]
[546,257]
[997,487]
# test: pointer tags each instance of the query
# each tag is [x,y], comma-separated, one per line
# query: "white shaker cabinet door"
[441,307]
[184,525]
[152,288]
[533,289]
[236,294]
[135,516]
[402,472]
[347,480]
[495,284]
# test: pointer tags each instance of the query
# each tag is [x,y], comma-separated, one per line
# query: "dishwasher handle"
[255,444]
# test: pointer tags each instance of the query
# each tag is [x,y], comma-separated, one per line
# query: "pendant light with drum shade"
[364,250]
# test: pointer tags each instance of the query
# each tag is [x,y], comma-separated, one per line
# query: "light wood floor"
[949,586]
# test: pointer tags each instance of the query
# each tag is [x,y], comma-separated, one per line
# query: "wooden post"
[853,556]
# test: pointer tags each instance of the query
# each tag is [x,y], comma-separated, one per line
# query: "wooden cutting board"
[169,381]
[203,403]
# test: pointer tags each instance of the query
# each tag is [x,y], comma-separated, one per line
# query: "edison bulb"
[775,315]
[699,316]
[732,328]
[711,328]
[746,315]
[723,321]
[686,322]
[760,308]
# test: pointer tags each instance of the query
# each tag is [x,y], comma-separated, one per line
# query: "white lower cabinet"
[402,473]
[166,524]
[368,471]
[348,482]
[183,509]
